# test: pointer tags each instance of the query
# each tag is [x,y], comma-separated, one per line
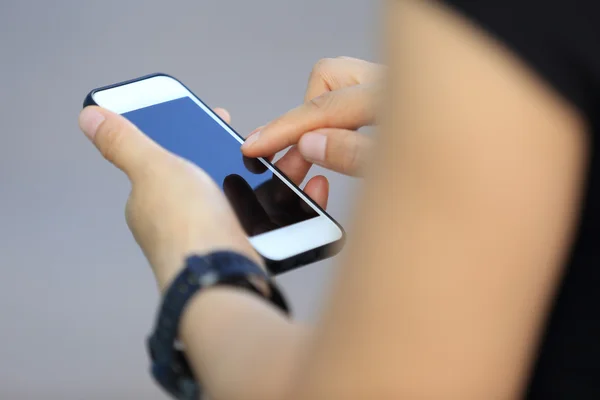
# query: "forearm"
[238,345]
[241,347]
[430,303]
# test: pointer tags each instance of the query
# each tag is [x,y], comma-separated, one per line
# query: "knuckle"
[318,102]
[322,103]
[109,140]
[324,64]
[322,108]
[323,70]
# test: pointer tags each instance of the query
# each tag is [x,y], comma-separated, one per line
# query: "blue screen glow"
[261,200]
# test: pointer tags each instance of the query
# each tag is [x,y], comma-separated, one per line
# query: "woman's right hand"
[341,97]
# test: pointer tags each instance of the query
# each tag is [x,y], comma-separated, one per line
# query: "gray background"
[76,296]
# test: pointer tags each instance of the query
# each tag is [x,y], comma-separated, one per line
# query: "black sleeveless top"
[560,40]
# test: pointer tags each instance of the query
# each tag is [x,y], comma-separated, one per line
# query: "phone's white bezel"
[277,245]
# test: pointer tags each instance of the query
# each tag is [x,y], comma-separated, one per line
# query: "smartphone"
[283,224]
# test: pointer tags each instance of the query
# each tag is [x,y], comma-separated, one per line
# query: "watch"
[225,268]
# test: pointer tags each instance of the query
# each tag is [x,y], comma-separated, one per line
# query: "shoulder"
[557,39]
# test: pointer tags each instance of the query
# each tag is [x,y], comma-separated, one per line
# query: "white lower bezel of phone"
[276,245]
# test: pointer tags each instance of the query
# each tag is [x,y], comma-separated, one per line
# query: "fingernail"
[312,146]
[250,140]
[89,121]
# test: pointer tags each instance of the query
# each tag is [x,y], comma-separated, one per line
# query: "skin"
[340,98]
[471,194]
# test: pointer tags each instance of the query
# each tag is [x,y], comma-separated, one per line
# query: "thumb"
[340,150]
[119,141]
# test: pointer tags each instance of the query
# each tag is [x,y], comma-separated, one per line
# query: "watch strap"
[169,364]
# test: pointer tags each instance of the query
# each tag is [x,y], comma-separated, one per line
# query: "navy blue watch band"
[169,366]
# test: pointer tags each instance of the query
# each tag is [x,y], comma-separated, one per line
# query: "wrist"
[210,306]
[167,268]
[200,281]
[234,336]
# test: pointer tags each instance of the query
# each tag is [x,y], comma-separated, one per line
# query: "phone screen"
[261,200]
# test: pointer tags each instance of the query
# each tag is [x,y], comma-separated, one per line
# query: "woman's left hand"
[175,209]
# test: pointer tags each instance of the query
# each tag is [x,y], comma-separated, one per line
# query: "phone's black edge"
[308,257]
[275,267]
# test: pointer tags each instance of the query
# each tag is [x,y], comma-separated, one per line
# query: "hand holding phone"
[283,225]
[175,209]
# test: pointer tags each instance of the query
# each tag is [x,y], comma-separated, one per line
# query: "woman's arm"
[460,237]
[465,220]
[467,214]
